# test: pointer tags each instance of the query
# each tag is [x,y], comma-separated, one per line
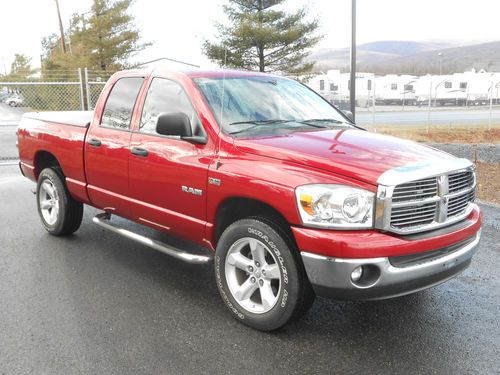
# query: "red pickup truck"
[289,198]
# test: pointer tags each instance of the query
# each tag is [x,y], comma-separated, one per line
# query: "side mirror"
[348,114]
[179,125]
[174,124]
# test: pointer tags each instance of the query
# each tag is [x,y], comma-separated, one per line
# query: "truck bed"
[73,118]
[61,134]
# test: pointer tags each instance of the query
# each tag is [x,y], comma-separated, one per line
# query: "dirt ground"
[488,174]
[488,182]
[443,135]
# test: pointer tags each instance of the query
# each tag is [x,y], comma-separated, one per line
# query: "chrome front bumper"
[381,279]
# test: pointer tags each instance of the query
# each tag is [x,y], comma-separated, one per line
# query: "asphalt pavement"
[98,303]
[414,116]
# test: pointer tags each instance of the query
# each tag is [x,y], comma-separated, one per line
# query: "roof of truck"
[202,73]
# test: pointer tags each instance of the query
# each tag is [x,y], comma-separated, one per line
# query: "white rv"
[395,89]
[334,86]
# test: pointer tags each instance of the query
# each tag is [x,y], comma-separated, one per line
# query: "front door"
[168,176]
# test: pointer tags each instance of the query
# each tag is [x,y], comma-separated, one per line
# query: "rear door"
[168,176]
[107,148]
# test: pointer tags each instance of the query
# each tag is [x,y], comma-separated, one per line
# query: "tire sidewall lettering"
[225,298]
[281,260]
[276,251]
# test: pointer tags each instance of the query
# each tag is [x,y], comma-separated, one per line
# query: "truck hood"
[349,152]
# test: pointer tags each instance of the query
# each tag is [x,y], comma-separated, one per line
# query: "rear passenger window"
[120,104]
[165,96]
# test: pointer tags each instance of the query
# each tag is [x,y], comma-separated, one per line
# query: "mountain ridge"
[412,57]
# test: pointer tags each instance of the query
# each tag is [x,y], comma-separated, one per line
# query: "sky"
[178,28]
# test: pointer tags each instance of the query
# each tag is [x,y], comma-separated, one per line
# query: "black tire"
[293,298]
[68,217]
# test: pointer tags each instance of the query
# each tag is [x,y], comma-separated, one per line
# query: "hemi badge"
[214,181]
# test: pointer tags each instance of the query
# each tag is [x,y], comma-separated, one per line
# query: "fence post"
[373,102]
[491,104]
[429,108]
[87,88]
[82,103]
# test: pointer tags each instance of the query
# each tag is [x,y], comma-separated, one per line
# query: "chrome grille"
[415,190]
[402,217]
[458,205]
[460,181]
[440,198]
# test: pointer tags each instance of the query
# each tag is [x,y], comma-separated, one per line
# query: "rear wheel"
[59,212]
[259,274]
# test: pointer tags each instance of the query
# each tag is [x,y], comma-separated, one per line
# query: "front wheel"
[60,213]
[259,274]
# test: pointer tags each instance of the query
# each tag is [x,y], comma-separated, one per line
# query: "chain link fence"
[52,91]
[94,83]
[57,90]
[470,100]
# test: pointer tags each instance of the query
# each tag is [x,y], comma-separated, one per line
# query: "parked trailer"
[460,89]
[395,89]
[335,87]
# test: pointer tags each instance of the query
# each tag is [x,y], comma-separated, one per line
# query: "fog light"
[357,273]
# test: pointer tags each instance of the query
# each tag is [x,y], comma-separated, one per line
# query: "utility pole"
[352,89]
[63,42]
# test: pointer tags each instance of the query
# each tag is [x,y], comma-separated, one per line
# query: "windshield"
[256,104]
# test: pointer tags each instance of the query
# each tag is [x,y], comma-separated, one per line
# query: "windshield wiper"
[256,125]
[329,120]
[256,122]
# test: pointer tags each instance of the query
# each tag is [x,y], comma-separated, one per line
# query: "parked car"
[15,101]
[4,95]
[286,195]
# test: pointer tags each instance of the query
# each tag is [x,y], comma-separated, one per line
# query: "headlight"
[335,206]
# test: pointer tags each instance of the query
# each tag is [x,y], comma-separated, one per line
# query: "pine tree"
[105,39]
[261,36]
[20,68]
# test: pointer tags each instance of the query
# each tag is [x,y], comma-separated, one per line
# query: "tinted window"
[321,84]
[408,87]
[394,86]
[369,85]
[447,85]
[120,104]
[164,96]
[463,85]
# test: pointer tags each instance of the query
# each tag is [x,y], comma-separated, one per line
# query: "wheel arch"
[237,208]
[44,159]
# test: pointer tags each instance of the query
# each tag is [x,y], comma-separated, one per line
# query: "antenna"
[165,58]
[218,164]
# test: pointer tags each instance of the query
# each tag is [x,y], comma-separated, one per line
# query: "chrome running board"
[103,220]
